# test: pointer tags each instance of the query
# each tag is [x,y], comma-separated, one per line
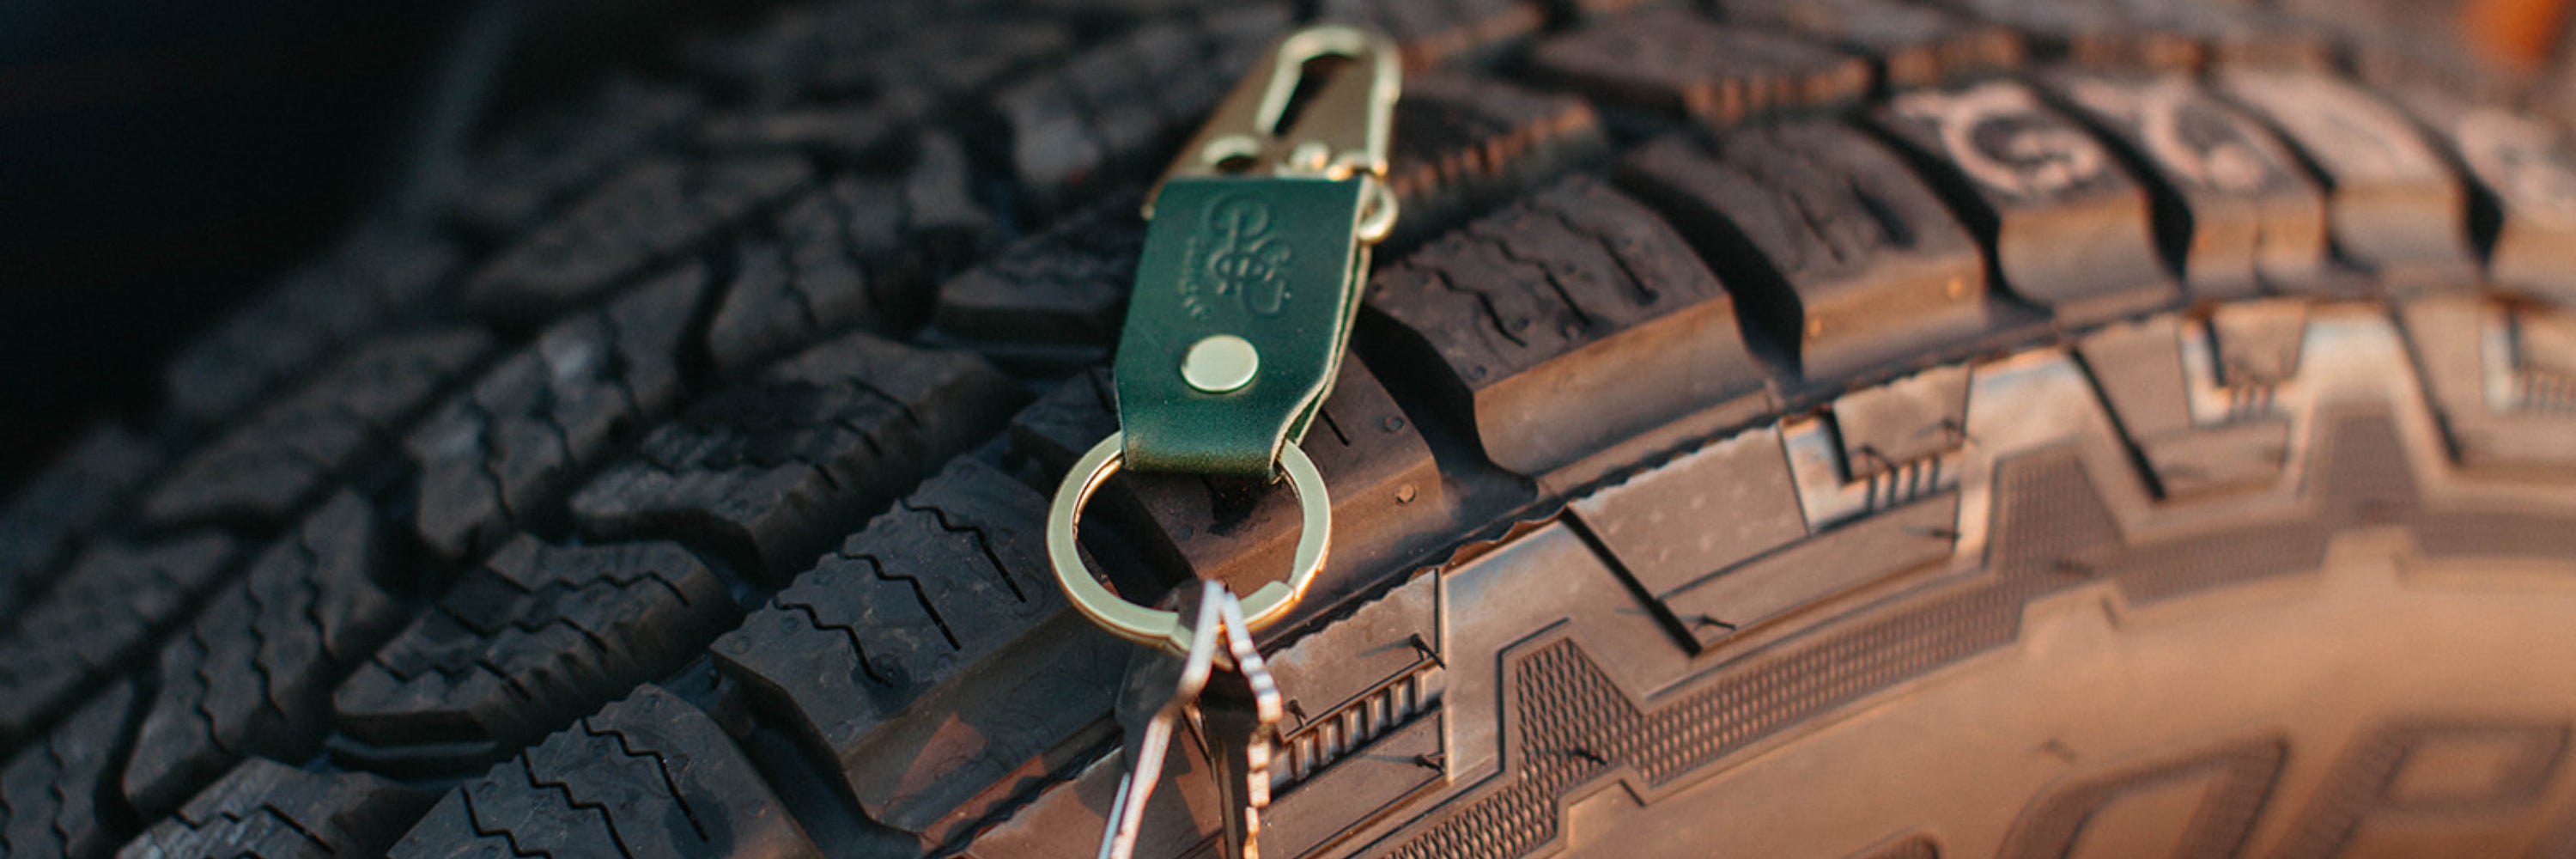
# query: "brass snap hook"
[1342,133]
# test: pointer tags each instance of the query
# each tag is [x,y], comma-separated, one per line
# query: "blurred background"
[159,159]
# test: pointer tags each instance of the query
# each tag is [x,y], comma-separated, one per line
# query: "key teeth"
[1268,710]
[1220,631]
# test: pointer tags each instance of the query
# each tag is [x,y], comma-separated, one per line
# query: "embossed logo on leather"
[1240,255]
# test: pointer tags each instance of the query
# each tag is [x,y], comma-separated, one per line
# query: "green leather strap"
[1275,261]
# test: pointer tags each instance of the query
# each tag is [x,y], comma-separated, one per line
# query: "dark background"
[158,158]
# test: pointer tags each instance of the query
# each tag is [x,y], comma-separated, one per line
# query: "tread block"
[1067,421]
[1384,486]
[58,795]
[2258,342]
[1730,600]
[774,471]
[285,457]
[2392,205]
[1576,288]
[1342,668]
[1362,719]
[1678,62]
[2404,59]
[859,252]
[1914,45]
[2138,368]
[1830,242]
[651,213]
[1055,299]
[2525,170]
[945,57]
[2244,212]
[2141,372]
[2218,459]
[253,673]
[268,810]
[502,455]
[1436,34]
[1746,477]
[838,133]
[298,324]
[2245,34]
[788,289]
[929,592]
[537,634]
[647,776]
[2097,33]
[2068,226]
[43,522]
[534,168]
[2497,378]
[1883,428]
[2544,342]
[108,611]
[1111,110]
[840,51]
[1468,143]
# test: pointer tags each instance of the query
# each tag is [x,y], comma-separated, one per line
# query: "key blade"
[1126,815]
[1159,691]
[1160,685]
[1127,812]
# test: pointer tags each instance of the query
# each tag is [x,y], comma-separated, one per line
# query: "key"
[1160,690]
[1237,726]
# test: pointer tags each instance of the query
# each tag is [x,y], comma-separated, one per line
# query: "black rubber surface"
[679,491]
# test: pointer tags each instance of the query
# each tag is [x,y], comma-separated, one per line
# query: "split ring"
[1166,629]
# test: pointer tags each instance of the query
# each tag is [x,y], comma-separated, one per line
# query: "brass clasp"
[1341,132]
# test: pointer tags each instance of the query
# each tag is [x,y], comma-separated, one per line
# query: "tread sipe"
[1876,428]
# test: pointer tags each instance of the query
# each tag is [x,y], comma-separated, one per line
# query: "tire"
[1806,428]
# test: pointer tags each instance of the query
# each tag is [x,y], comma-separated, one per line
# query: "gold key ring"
[1165,629]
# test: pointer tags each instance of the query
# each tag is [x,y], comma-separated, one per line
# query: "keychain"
[1256,246]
